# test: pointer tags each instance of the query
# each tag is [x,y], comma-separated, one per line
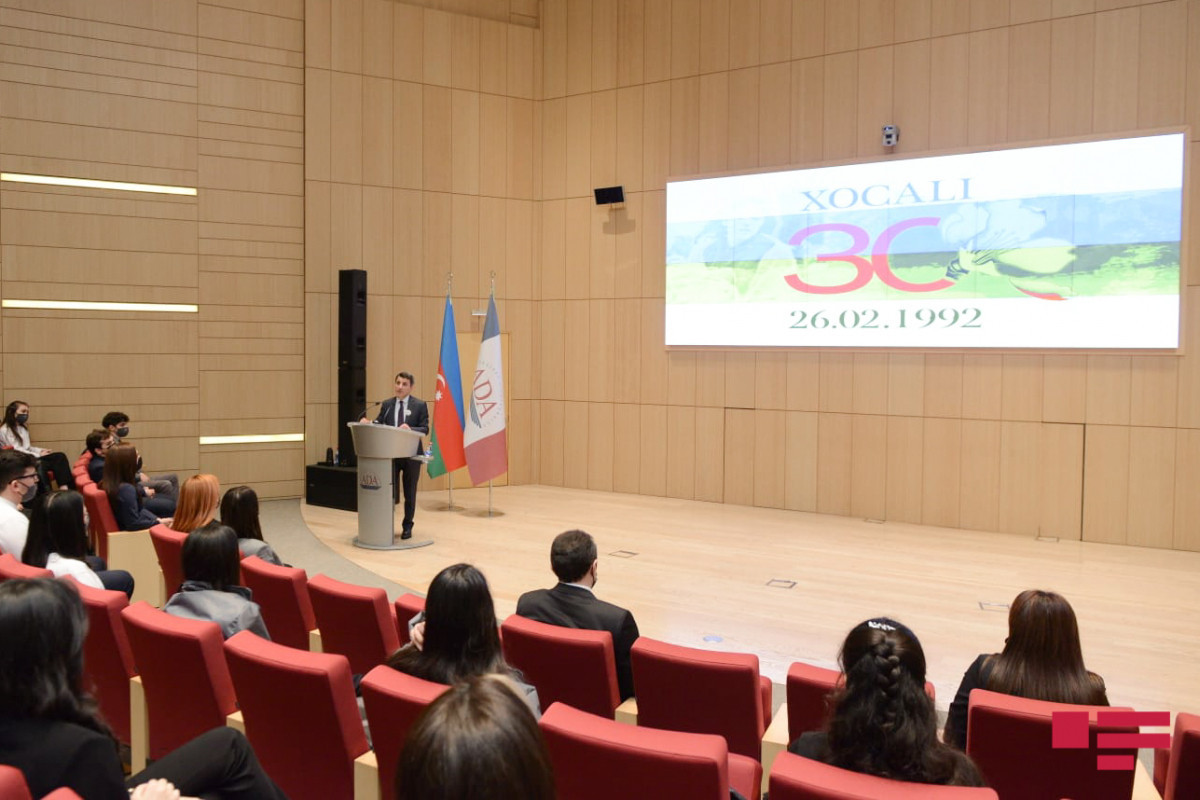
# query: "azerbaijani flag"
[486,438]
[447,438]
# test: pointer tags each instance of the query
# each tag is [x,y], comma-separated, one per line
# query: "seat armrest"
[366,777]
[626,713]
[139,725]
[314,641]
[775,741]
[1162,761]
[1143,784]
[237,722]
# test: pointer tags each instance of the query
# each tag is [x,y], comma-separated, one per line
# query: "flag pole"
[493,294]
[450,475]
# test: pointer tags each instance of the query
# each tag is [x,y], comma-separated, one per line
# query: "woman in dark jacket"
[121,485]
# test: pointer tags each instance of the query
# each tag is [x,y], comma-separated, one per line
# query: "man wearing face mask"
[573,602]
[161,491]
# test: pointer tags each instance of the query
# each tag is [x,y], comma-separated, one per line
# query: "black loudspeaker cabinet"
[352,318]
[331,487]
[352,356]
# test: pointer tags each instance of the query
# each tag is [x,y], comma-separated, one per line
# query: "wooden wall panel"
[904,464]
[1151,488]
[868,467]
[1106,484]
[710,454]
[979,489]
[770,458]
[739,457]
[942,473]
[835,440]
[681,449]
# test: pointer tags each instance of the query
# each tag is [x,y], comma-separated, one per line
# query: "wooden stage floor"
[699,574]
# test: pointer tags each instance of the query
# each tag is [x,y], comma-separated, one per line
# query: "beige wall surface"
[201,94]
[417,139]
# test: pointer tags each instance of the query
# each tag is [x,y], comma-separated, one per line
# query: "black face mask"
[139,464]
[123,431]
[22,418]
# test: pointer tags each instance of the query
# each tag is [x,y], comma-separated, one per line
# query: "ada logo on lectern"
[369,480]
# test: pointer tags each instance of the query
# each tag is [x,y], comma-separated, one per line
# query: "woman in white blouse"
[15,434]
[58,542]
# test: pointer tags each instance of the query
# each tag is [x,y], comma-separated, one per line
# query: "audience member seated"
[476,740]
[239,510]
[460,638]
[883,723]
[14,434]
[1042,660]
[50,728]
[164,487]
[198,501]
[58,542]
[120,484]
[97,443]
[210,590]
[18,474]
[573,602]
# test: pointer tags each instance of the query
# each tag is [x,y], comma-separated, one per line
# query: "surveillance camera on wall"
[891,135]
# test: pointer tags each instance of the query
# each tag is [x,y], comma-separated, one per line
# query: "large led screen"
[1062,246]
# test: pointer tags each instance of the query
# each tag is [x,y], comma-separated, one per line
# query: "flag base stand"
[490,512]
[449,504]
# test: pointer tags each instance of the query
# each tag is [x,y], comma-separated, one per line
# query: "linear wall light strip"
[260,438]
[83,305]
[87,183]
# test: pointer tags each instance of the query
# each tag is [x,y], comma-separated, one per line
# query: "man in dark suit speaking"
[405,411]
[573,603]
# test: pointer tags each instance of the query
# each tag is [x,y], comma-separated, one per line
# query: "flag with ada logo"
[485,436]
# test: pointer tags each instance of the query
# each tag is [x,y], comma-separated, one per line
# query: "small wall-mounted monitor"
[1060,246]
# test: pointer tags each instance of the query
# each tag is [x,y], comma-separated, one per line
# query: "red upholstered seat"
[701,691]
[282,593]
[796,778]
[1010,740]
[107,657]
[408,605]
[1183,771]
[100,515]
[393,701]
[12,784]
[808,690]
[596,758]
[355,621]
[183,669]
[567,665]
[11,567]
[168,546]
[301,716]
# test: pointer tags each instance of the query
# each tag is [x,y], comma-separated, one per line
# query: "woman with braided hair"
[883,723]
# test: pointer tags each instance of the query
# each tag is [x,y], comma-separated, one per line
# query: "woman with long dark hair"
[1042,660]
[476,740]
[50,728]
[120,483]
[461,640]
[58,542]
[15,434]
[239,510]
[883,723]
[210,590]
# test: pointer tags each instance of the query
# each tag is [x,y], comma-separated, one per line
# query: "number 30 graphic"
[877,264]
